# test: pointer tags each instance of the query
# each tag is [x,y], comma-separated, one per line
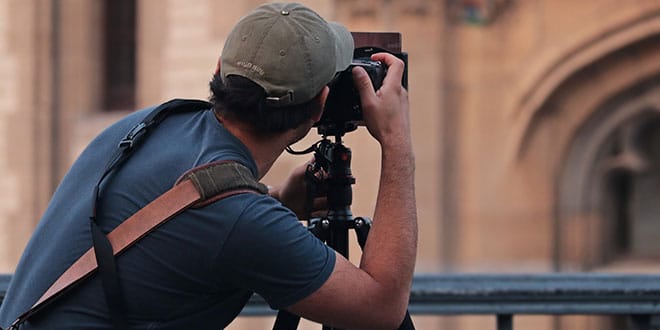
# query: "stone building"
[536,122]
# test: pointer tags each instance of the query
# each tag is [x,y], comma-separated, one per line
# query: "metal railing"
[635,296]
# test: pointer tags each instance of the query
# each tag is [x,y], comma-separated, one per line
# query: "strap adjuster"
[135,132]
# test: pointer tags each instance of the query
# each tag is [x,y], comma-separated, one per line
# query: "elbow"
[396,317]
[392,313]
[389,321]
[382,312]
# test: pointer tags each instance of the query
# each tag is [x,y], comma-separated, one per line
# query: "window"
[631,201]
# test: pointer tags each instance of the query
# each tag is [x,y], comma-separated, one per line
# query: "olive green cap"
[287,49]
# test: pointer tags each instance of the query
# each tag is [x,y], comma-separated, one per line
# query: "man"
[198,270]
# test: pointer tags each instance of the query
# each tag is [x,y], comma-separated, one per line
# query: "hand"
[385,111]
[293,194]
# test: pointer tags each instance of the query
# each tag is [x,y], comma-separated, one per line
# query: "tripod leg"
[407,323]
[286,321]
[362,226]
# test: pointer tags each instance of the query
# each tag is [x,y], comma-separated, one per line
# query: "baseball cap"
[288,50]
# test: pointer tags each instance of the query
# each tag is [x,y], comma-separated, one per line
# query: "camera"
[343,111]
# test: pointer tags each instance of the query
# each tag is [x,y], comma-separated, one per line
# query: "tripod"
[335,159]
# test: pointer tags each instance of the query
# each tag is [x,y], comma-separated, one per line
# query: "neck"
[264,150]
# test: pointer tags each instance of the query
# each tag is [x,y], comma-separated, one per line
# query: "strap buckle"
[133,134]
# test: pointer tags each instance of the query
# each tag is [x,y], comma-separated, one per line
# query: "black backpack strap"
[100,244]
[102,247]
[135,135]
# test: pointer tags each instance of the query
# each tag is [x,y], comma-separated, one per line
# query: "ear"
[321,97]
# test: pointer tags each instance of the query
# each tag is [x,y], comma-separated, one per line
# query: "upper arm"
[271,253]
[351,298]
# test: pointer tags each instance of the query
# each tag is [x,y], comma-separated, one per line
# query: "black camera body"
[343,110]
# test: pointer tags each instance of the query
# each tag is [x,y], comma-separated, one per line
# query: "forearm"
[390,251]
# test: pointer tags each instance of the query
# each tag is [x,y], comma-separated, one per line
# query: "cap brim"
[344,46]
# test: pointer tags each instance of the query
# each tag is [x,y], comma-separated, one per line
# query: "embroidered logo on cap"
[251,67]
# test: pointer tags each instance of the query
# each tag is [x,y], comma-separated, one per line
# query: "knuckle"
[368,104]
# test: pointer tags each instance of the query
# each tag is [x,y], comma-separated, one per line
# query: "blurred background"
[536,123]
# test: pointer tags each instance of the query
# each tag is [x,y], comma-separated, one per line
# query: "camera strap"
[197,187]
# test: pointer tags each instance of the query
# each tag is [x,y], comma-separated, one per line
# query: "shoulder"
[262,211]
[264,226]
[266,243]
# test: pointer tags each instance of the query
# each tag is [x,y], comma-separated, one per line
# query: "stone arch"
[559,66]
[565,115]
[604,145]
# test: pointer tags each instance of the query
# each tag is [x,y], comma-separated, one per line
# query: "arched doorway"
[609,181]
[590,126]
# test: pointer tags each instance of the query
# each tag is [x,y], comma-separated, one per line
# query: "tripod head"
[334,159]
[331,171]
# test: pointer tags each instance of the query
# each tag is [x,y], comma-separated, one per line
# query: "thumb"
[363,84]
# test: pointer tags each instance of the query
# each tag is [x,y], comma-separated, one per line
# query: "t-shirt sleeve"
[271,253]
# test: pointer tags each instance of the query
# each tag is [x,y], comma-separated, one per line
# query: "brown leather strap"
[135,227]
[197,187]
[180,197]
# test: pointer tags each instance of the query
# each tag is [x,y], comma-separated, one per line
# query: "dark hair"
[244,100]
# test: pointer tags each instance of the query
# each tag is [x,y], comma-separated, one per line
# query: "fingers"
[385,111]
[363,84]
[320,204]
[320,208]
[395,68]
